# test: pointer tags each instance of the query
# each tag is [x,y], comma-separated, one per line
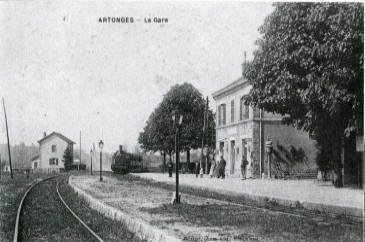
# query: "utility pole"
[202,153]
[7,134]
[80,151]
[207,159]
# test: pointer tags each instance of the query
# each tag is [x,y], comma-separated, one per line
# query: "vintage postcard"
[181,121]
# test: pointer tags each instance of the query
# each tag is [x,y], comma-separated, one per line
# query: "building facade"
[241,131]
[51,150]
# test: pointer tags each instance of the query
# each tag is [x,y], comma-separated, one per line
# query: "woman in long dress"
[212,167]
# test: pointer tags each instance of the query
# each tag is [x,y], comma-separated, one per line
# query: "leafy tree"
[159,133]
[67,158]
[309,65]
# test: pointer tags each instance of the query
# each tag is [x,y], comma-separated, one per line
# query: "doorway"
[221,150]
[233,156]
[244,148]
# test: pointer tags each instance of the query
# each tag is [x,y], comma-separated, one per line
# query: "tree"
[67,158]
[159,133]
[309,65]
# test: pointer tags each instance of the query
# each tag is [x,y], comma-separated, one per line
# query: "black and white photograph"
[181,121]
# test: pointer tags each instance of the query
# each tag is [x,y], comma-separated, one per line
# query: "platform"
[310,193]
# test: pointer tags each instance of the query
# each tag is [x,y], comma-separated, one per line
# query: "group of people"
[217,168]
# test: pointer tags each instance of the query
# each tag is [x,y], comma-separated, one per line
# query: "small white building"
[6,168]
[35,162]
[51,150]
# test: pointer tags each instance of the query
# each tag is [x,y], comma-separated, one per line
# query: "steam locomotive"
[124,162]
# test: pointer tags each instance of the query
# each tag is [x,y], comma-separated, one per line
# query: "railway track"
[68,216]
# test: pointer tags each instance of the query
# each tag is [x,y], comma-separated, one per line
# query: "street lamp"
[101,145]
[177,119]
[206,154]
[268,145]
[91,165]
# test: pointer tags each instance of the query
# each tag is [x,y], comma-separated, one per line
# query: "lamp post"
[101,145]
[91,159]
[268,145]
[206,154]
[177,119]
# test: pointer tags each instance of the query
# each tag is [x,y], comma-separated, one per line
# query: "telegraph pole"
[80,151]
[202,153]
[7,134]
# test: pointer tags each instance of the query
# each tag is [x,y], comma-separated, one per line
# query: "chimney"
[44,134]
[120,149]
[244,63]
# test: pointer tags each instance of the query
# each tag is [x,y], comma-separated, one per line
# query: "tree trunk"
[337,165]
[164,162]
[188,159]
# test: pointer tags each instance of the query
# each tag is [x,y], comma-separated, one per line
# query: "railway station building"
[51,150]
[242,131]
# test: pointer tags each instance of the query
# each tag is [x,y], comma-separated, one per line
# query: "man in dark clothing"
[170,169]
[197,168]
[244,164]
[222,168]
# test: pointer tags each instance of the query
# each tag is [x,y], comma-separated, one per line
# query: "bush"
[74,167]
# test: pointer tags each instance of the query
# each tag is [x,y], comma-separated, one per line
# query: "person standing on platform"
[244,164]
[217,169]
[222,169]
[212,167]
[197,168]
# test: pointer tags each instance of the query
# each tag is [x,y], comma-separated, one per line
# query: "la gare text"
[132,20]
[156,20]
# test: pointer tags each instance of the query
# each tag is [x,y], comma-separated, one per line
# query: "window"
[224,114]
[53,161]
[241,108]
[247,112]
[232,111]
[244,109]
[54,148]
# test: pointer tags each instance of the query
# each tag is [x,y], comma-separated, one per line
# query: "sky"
[62,70]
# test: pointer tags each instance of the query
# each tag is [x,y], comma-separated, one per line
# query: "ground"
[11,193]
[201,217]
